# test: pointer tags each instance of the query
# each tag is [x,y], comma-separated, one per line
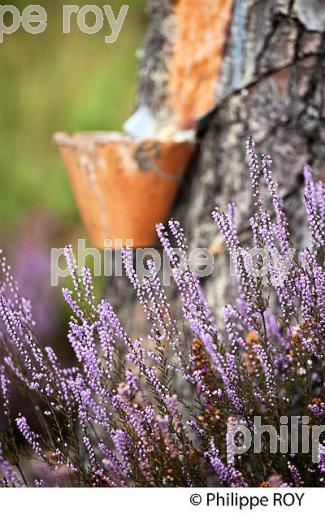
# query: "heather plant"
[156,411]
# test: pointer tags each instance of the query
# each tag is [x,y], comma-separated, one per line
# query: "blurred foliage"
[53,82]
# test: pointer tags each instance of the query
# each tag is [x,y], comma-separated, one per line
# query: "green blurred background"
[56,82]
[52,82]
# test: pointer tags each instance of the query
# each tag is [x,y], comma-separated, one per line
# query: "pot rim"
[103,137]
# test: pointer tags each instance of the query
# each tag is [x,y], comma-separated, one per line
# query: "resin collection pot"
[122,186]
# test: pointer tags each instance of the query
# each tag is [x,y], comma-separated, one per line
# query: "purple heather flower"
[140,411]
[226,474]
[8,477]
[30,436]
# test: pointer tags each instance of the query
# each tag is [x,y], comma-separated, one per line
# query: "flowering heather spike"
[152,298]
[226,474]
[268,373]
[119,471]
[232,321]
[320,197]
[227,373]
[248,286]
[67,294]
[108,317]
[107,343]
[195,308]
[73,269]
[82,340]
[13,327]
[254,172]
[123,445]
[30,436]
[232,210]
[162,317]
[314,203]
[281,225]
[4,390]
[295,475]
[88,287]
[137,355]
[91,453]
[196,429]
[8,284]
[132,381]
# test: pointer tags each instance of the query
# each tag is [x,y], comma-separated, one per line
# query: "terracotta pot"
[123,187]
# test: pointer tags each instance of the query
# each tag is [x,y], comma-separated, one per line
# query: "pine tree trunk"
[271,85]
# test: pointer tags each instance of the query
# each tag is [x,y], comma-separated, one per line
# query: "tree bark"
[271,86]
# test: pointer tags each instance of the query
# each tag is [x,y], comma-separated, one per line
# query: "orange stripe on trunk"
[196,62]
